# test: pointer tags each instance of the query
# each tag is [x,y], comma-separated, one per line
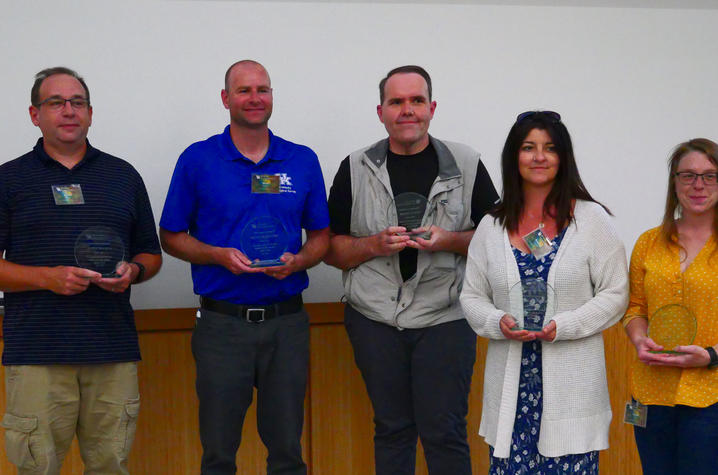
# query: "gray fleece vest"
[375,287]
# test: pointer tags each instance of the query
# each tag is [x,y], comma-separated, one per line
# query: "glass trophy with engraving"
[264,239]
[99,249]
[672,325]
[533,303]
[412,211]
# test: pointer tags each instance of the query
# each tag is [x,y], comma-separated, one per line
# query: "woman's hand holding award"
[671,326]
[532,300]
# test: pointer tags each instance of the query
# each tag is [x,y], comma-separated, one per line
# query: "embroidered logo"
[285,183]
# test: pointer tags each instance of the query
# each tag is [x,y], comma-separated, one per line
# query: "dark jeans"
[232,357]
[679,440]
[418,381]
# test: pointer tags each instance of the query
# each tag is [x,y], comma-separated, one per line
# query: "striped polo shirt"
[95,326]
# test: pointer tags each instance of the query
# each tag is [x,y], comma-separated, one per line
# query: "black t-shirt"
[407,173]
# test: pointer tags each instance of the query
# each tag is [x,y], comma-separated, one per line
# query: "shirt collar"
[447,163]
[233,154]
[39,149]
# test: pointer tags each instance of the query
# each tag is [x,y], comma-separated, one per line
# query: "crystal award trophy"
[532,300]
[410,210]
[99,249]
[264,239]
[672,325]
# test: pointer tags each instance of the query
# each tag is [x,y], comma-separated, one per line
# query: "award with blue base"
[99,249]
[264,239]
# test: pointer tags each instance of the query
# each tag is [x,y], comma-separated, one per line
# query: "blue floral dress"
[524,457]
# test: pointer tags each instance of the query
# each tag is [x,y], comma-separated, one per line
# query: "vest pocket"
[18,432]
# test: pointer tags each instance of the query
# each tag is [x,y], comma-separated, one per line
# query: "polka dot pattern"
[657,281]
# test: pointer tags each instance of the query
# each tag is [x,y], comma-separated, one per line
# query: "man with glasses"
[411,342]
[71,347]
[236,193]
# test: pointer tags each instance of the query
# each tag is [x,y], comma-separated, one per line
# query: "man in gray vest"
[411,342]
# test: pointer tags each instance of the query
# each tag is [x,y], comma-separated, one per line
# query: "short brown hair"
[404,70]
[46,73]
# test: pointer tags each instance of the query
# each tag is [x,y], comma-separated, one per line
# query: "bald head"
[243,64]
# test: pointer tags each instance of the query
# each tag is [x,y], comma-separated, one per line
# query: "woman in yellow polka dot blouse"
[677,263]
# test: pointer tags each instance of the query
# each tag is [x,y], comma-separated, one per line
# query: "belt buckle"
[259,318]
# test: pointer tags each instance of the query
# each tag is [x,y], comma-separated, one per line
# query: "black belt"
[252,313]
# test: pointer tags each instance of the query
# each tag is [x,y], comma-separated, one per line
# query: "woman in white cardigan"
[545,405]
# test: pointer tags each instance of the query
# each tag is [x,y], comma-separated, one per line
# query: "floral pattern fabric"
[525,458]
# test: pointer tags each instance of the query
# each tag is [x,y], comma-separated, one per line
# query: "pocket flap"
[20,424]
[133,408]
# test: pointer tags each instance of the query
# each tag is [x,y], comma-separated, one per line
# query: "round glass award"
[532,300]
[99,249]
[672,325]
[264,240]
[410,211]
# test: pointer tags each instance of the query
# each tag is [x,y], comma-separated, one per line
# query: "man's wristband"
[140,274]
[714,357]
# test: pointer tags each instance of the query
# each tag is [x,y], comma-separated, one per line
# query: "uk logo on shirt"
[285,183]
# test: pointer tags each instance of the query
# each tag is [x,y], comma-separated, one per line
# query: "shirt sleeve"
[637,306]
[179,207]
[4,215]
[144,233]
[483,196]
[315,215]
[477,295]
[608,274]
[340,200]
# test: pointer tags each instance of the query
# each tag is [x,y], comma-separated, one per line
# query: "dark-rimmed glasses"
[554,116]
[57,103]
[688,178]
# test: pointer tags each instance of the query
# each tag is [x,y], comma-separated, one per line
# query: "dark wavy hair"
[567,185]
[704,146]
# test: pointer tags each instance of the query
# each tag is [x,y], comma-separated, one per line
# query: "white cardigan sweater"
[590,280]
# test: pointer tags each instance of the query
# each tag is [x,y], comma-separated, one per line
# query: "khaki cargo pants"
[48,405]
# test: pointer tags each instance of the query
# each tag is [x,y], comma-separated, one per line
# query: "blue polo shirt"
[95,326]
[210,196]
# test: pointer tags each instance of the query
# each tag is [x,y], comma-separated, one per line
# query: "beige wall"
[338,427]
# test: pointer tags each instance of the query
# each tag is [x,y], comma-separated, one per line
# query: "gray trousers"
[233,357]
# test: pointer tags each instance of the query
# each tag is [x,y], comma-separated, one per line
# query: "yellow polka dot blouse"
[656,281]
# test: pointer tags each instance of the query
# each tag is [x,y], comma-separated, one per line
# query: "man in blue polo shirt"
[252,329]
[71,347]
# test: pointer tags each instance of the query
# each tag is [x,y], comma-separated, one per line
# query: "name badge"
[265,183]
[636,414]
[67,195]
[538,243]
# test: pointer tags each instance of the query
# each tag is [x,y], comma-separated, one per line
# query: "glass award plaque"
[672,325]
[534,300]
[264,240]
[410,211]
[99,249]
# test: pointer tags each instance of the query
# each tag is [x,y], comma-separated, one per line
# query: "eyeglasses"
[554,116]
[688,178]
[57,103]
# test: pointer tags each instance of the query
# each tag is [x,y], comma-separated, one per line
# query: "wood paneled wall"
[338,428]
